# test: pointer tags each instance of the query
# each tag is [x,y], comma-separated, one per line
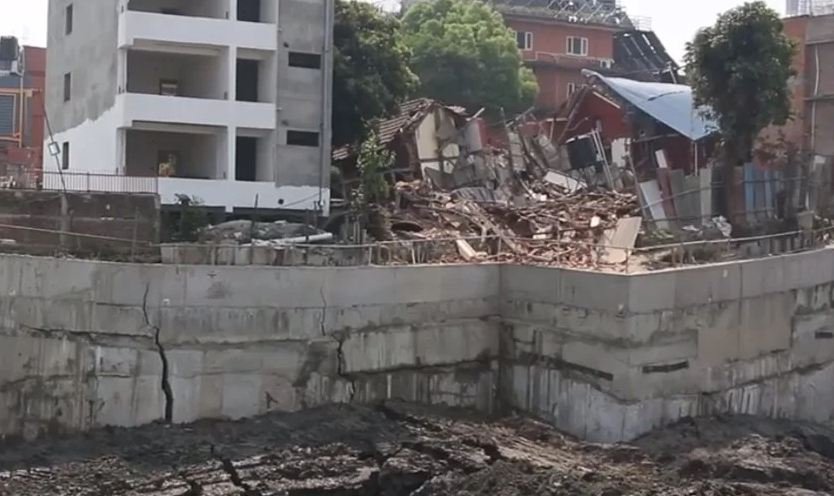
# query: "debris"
[621,240]
[263,233]
[564,181]
[466,251]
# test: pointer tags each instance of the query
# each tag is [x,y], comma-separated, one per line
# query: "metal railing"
[495,249]
[77,182]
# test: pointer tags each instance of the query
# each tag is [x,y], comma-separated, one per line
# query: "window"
[68,20]
[305,60]
[524,40]
[249,10]
[572,87]
[65,156]
[578,46]
[302,138]
[67,86]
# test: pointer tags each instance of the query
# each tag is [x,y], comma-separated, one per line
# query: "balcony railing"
[78,182]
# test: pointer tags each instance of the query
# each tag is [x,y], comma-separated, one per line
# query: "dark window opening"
[68,19]
[67,87]
[302,138]
[247,80]
[246,159]
[249,10]
[305,60]
[65,151]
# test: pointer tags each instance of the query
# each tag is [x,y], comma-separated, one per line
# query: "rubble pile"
[405,450]
[542,225]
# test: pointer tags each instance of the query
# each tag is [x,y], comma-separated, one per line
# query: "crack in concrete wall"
[165,381]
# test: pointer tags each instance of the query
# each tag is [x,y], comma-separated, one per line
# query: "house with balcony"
[224,101]
[558,39]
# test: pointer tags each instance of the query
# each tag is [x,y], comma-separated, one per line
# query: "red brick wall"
[551,37]
[555,74]
[553,84]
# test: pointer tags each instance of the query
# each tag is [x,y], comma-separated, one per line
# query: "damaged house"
[429,141]
[652,137]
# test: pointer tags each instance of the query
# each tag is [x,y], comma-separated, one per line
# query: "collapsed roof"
[641,55]
[670,104]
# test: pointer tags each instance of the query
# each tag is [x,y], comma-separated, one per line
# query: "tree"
[464,54]
[740,68]
[371,76]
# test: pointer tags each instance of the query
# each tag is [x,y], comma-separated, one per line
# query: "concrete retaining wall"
[604,356]
[611,357]
[86,344]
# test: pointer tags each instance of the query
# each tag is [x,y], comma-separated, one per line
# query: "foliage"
[192,219]
[371,76]
[740,68]
[465,55]
[374,161]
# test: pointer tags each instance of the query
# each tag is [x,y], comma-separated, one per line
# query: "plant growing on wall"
[373,162]
[740,68]
[464,54]
[371,76]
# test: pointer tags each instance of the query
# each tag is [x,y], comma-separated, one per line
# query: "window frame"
[69,14]
[67,87]
[584,46]
[526,38]
[301,133]
[65,155]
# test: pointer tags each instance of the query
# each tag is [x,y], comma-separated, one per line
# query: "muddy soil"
[402,450]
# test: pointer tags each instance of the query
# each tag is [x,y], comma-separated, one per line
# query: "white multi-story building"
[226,101]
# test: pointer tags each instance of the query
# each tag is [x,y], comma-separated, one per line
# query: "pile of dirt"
[401,450]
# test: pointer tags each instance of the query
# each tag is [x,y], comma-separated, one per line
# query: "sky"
[674,21]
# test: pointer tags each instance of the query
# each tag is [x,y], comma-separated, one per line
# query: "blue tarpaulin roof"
[671,104]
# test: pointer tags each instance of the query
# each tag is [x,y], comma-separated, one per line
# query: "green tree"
[371,76]
[465,55]
[740,68]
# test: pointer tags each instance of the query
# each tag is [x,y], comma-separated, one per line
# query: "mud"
[402,450]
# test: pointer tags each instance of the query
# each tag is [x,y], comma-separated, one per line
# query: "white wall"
[242,194]
[142,26]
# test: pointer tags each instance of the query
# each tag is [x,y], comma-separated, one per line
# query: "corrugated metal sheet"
[7,122]
[671,104]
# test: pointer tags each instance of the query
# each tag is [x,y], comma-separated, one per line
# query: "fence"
[494,249]
[27,179]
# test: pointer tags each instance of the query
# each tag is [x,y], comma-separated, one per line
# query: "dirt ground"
[401,450]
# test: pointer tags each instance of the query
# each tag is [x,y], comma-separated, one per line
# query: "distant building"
[808,7]
[225,101]
[560,38]
[22,79]
[812,89]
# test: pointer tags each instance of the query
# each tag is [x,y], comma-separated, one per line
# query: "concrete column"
[231,152]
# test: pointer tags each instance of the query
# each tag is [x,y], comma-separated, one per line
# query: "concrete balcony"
[142,29]
[135,107]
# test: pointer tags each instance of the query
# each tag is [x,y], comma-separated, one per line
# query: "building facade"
[558,39]
[22,80]
[224,101]
[811,125]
